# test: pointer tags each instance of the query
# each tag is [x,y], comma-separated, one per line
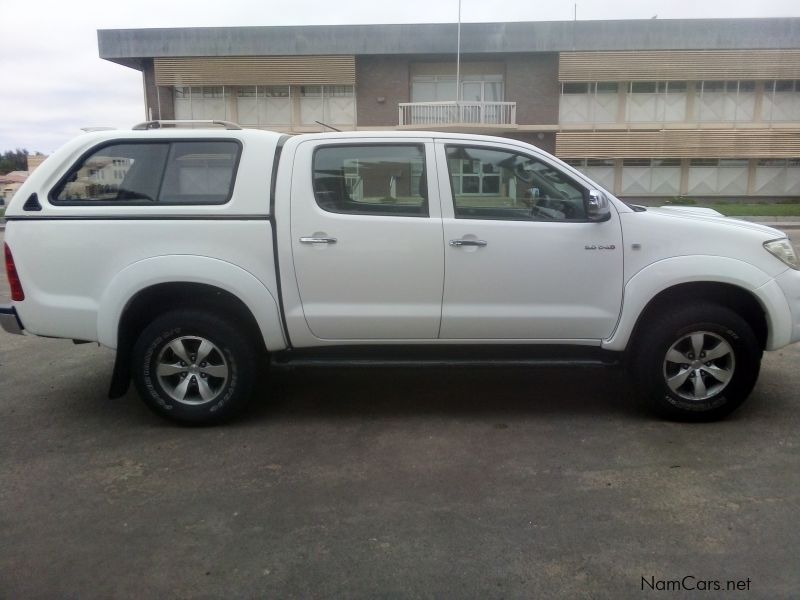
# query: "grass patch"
[756,210]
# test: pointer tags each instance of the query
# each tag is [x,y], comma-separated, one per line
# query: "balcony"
[492,115]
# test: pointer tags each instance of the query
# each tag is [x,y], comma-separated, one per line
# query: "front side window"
[371,180]
[499,184]
[190,172]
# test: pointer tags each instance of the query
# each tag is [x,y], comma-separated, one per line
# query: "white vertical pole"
[458,56]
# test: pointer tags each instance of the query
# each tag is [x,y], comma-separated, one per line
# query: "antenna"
[328,126]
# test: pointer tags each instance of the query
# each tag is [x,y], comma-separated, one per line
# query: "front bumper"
[9,320]
[789,282]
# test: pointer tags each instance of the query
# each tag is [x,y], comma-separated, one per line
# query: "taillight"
[17,295]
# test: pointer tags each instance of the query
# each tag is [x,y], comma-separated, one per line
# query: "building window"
[434,88]
[262,106]
[606,87]
[341,91]
[268,105]
[777,177]
[203,103]
[725,101]
[656,101]
[718,176]
[574,88]
[672,87]
[433,101]
[591,102]
[781,100]
[599,170]
[646,176]
[482,88]
[442,88]
[643,87]
[653,87]
[311,91]
[329,104]
[782,85]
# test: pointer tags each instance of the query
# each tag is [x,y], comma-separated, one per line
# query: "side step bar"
[449,356]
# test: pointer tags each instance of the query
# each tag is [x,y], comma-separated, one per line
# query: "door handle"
[480,243]
[317,240]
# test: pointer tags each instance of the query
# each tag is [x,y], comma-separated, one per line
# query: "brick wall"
[532,82]
[380,77]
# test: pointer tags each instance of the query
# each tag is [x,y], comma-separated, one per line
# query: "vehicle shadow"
[376,393]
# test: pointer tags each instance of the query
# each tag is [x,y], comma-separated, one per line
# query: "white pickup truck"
[198,253]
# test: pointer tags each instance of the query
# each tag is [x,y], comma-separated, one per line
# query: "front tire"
[698,363]
[193,366]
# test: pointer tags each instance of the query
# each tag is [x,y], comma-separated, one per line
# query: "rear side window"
[190,172]
[380,179]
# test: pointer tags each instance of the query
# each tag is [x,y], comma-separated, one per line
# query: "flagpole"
[458,56]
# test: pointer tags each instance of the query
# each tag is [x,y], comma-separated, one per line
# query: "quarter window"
[503,185]
[371,180]
[190,172]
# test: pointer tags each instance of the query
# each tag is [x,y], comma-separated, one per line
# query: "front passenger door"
[522,260]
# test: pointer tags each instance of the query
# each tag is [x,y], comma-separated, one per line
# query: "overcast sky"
[54,83]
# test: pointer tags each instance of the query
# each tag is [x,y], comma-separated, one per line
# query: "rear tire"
[697,363]
[193,366]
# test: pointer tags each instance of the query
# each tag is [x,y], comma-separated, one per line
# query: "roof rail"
[160,123]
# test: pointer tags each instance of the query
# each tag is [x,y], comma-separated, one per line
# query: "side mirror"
[597,207]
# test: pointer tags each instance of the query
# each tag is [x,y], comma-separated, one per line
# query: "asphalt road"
[389,483]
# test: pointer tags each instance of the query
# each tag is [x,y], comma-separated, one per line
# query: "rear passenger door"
[367,239]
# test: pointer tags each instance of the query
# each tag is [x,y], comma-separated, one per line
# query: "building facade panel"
[265,70]
[649,109]
[682,143]
[695,65]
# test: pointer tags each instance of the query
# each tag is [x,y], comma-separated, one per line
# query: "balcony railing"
[458,113]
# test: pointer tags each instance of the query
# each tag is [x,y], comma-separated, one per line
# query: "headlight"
[783,251]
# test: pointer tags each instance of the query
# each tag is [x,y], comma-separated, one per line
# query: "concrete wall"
[379,77]
[160,104]
[150,94]
[128,46]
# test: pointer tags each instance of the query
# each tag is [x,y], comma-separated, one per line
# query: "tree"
[13,160]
